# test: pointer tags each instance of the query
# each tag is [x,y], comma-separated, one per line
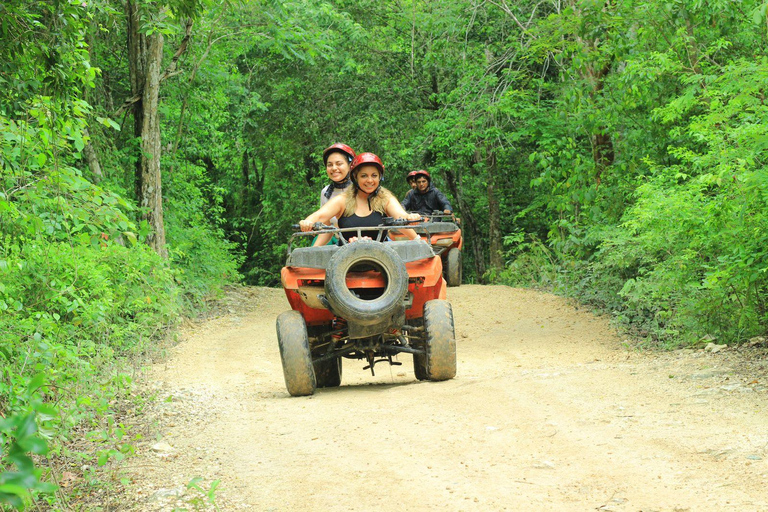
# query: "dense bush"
[684,256]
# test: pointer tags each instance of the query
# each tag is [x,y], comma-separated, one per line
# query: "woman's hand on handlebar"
[413,217]
[305,225]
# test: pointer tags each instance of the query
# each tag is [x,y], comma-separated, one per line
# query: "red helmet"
[421,172]
[340,148]
[411,176]
[368,158]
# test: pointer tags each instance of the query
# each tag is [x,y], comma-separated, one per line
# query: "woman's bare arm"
[331,209]
[395,210]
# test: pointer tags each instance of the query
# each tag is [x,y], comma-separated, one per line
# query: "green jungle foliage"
[611,151]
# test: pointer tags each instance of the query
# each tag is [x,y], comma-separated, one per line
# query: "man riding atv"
[443,231]
[425,199]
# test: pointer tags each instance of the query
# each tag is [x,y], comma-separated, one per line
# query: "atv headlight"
[444,242]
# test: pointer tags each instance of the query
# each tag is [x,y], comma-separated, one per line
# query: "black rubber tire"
[441,340]
[420,366]
[453,267]
[328,373]
[294,352]
[344,303]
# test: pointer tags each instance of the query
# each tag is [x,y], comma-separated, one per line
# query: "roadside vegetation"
[151,154]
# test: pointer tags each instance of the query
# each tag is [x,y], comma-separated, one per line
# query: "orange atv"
[443,232]
[367,300]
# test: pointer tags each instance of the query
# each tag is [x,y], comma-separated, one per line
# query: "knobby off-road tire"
[328,373]
[453,267]
[294,352]
[441,340]
[420,366]
[344,303]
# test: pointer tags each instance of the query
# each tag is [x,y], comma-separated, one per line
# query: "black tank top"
[354,221]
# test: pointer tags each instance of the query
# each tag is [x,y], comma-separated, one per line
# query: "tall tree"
[145,58]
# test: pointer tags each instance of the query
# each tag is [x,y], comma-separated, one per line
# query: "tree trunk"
[93,160]
[494,218]
[137,65]
[145,61]
[472,236]
[151,198]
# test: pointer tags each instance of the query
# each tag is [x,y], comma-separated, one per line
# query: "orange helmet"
[340,148]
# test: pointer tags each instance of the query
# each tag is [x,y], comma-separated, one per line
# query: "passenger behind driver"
[337,159]
[411,179]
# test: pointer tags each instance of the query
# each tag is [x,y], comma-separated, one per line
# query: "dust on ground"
[550,410]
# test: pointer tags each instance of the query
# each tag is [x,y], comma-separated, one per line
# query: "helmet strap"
[343,183]
[373,194]
[337,185]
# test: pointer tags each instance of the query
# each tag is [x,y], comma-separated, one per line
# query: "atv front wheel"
[453,267]
[441,340]
[294,352]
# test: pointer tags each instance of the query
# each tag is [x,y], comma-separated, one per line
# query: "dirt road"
[549,411]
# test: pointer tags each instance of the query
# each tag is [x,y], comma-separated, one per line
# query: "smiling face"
[422,184]
[368,178]
[337,166]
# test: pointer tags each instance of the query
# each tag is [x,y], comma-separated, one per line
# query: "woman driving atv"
[365,203]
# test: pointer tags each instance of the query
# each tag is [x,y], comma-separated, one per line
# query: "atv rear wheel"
[441,340]
[328,373]
[294,352]
[453,267]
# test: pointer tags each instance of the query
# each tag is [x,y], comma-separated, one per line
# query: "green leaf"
[78,140]
[36,382]
[106,121]
[34,445]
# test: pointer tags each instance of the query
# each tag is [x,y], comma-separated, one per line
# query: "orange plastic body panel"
[290,277]
[458,241]
[425,283]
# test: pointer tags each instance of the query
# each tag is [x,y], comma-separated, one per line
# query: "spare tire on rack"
[365,254]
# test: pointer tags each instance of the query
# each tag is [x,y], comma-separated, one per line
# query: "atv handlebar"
[388,223]
[317,226]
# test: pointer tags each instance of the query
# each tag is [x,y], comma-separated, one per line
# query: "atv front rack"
[321,254]
[318,257]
